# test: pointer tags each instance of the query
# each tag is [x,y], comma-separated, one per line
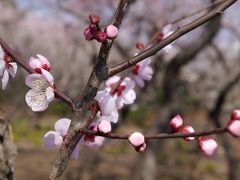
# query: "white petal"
[1,53]
[50,94]
[119,102]
[107,105]
[147,73]
[139,81]
[12,70]
[100,95]
[129,97]
[5,79]
[34,63]
[62,126]
[2,67]
[52,140]
[37,100]
[36,81]
[114,116]
[48,76]
[112,80]
[128,83]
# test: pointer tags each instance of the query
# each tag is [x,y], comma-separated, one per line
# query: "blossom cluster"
[7,67]
[93,31]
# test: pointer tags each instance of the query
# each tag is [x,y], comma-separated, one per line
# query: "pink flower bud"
[233,128]
[111,31]
[176,123]
[235,114]
[136,139]
[101,36]
[207,145]
[104,127]
[88,34]
[139,45]
[141,148]
[94,19]
[186,130]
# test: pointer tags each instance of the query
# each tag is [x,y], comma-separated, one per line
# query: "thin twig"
[178,33]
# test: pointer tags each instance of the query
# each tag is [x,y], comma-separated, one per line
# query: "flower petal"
[50,94]
[139,81]
[37,100]
[112,80]
[129,97]
[147,73]
[5,79]
[12,70]
[62,125]
[43,60]
[75,153]
[48,76]
[36,81]
[107,105]
[2,67]
[34,63]
[52,140]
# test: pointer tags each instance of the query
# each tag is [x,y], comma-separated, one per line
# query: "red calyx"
[160,37]
[38,70]
[139,45]
[101,36]
[135,69]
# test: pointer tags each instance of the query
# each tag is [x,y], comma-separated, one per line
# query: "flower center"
[135,69]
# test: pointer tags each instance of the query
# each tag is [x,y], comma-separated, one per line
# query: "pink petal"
[208,146]
[186,130]
[52,140]
[234,128]
[111,31]
[107,105]
[139,81]
[43,60]
[128,82]
[235,114]
[62,125]
[50,94]
[34,63]
[129,97]
[147,73]
[112,80]
[176,123]
[104,127]
[141,148]
[13,70]
[136,139]
[5,79]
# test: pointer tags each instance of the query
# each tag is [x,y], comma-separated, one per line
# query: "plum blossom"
[41,92]
[186,130]
[54,139]
[107,106]
[91,140]
[142,72]
[176,123]
[207,145]
[166,31]
[111,31]
[122,90]
[6,67]
[41,66]
[233,128]
[138,141]
[104,126]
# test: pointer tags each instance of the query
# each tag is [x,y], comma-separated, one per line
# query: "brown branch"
[156,136]
[178,33]
[99,73]
[14,56]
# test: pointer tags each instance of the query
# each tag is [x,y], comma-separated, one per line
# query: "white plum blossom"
[54,139]
[91,140]
[122,90]
[107,106]
[41,92]
[142,72]
[6,67]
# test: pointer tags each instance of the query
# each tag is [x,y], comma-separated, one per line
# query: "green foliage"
[59,108]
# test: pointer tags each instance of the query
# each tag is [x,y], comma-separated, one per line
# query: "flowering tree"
[97,110]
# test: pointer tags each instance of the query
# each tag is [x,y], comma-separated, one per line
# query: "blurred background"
[198,78]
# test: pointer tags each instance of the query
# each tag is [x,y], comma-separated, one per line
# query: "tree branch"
[14,56]
[180,32]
